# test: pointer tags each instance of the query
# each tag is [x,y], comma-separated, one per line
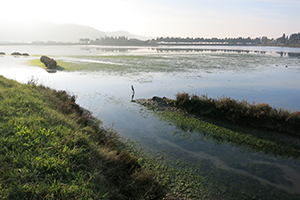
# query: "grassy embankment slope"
[49,150]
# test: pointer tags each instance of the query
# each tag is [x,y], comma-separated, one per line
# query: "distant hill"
[48,31]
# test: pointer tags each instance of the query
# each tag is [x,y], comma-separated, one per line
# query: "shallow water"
[255,74]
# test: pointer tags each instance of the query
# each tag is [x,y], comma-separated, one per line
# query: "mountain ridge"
[49,31]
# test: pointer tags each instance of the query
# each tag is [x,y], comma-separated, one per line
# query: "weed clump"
[50,63]
[260,115]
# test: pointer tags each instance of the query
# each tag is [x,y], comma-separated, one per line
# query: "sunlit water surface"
[255,74]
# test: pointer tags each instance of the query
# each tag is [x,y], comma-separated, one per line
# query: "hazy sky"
[184,18]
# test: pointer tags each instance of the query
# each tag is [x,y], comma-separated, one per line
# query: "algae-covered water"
[101,78]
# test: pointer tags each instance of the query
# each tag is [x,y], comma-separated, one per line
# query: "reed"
[260,115]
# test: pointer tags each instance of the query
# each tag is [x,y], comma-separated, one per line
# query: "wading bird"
[132,88]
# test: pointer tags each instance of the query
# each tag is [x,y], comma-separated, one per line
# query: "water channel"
[102,79]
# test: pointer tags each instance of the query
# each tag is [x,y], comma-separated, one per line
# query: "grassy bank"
[256,115]
[50,150]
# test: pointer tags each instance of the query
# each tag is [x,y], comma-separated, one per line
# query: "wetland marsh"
[101,78]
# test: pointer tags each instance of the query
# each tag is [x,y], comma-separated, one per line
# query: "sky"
[166,18]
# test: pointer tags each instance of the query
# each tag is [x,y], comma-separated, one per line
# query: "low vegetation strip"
[257,115]
[186,121]
[51,149]
[222,134]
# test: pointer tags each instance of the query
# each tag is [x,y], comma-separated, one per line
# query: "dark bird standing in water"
[132,94]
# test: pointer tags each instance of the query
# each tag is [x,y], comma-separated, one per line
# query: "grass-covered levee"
[261,115]
[50,150]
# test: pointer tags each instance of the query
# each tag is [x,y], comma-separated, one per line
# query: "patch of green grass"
[79,66]
[36,63]
[49,150]
[221,134]
[132,65]
[61,65]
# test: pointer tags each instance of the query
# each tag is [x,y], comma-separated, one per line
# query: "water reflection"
[178,50]
[126,50]
[189,49]
[108,50]
[294,55]
[184,50]
[132,98]
[51,71]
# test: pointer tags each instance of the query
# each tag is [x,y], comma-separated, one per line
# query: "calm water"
[256,74]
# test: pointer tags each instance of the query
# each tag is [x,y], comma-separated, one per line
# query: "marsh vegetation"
[195,140]
[259,115]
[192,157]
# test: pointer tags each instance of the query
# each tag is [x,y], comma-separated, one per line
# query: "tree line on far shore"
[292,40]
[121,40]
